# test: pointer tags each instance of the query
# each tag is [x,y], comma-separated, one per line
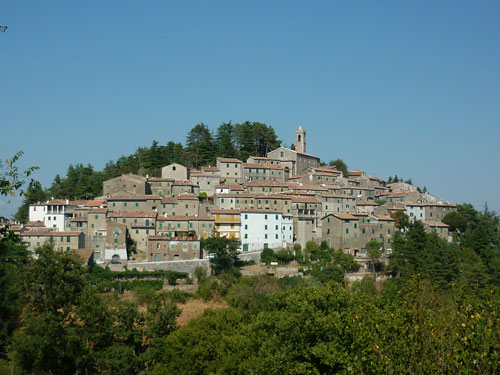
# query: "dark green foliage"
[341,166]
[13,258]
[456,222]
[200,146]
[267,256]
[327,272]
[224,253]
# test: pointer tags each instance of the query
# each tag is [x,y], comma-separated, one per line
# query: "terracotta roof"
[131,197]
[78,203]
[304,154]
[51,233]
[37,223]
[97,210]
[184,218]
[260,211]
[340,196]
[78,218]
[327,168]
[151,215]
[187,196]
[169,200]
[210,169]
[434,204]
[261,166]
[376,178]
[201,174]
[95,203]
[356,173]
[219,211]
[366,203]
[435,223]
[345,216]
[266,183]
[384,218]
[305,200]
[229,160]
[58,202]
[306,187]
[160,179]
[183,183]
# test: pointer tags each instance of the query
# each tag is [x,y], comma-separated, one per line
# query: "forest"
[438,313]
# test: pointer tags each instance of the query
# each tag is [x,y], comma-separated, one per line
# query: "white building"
[262,229]
[54,213]
[415,211]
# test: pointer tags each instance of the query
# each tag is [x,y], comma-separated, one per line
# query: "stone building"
[231,170]
[163,248]
[127,183]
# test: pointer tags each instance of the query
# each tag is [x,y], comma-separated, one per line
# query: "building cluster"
[275,201]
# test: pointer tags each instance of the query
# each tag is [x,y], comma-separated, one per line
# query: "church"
[297,161]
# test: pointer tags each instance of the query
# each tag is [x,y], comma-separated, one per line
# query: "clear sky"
[391,87]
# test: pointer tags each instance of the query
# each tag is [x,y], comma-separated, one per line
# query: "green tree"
[456,221]
[33,194]
[200,146]
[268,255]
[224,253]
[340,165]
[373,253]
[226,147]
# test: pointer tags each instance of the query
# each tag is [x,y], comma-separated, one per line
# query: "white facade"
[265,229]
[415,212]
[53,213]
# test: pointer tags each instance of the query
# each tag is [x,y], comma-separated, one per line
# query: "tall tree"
[226,147]
[200,146]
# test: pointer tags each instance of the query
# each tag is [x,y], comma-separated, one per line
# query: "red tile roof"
[184,218]
[305,200]
[229,160]
[151,215]
[261,166]
[51,233]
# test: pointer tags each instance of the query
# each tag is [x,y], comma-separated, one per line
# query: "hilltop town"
[275,201]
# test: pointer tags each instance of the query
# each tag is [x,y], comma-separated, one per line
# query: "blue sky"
[411,88]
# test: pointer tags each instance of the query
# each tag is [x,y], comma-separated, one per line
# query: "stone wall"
[253,255]
[174,265]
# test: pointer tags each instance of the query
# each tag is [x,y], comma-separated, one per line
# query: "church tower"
[300,140]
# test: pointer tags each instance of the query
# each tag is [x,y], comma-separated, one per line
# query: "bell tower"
[300,139]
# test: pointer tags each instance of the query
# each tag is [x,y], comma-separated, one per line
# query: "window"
[246,236]
[265,217]
[124,221]
[276,227]
[246,216]
[246,226]
[276,236]
[125,204]
[185,246]
[265,227]
[114,204]
[347,230]
[265,236]
[96,217]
